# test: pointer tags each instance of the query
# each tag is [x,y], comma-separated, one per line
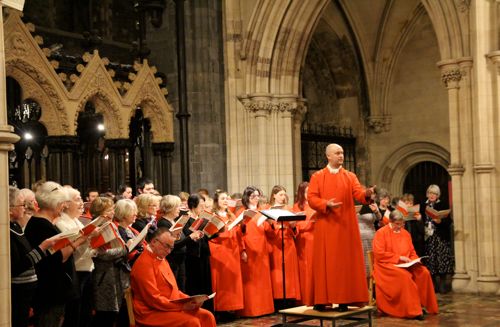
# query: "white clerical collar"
[333,170]
[392,227]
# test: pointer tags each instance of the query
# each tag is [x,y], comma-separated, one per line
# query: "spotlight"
[28,136]
[100,127]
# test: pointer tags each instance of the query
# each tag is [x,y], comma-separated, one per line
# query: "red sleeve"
[358,191]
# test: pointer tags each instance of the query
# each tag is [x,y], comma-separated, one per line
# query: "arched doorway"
[422,175]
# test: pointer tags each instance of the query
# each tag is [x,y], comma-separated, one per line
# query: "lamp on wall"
[153,8]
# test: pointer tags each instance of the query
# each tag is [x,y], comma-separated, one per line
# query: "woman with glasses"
[147,207]
[170,208]
[23,258]
[225,252]
[437,238]
[78,312]
[255,266]
[111,275]
[125,215]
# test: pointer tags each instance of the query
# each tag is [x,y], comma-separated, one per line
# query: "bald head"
[335,155]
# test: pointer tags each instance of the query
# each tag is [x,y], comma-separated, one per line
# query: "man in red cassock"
[154,286]
[401,292]
[338,262]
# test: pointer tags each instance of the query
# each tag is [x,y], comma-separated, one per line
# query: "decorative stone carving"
[463,5]
[380,124]
[456,170]
[451,77]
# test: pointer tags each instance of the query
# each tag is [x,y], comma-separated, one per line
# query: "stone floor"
[455,310]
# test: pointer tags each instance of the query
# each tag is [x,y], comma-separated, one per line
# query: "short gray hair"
[13,195]
[396,215]
[123,208]
[50,194]
[433,188]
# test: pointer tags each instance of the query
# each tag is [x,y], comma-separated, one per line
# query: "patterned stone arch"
[161,122]
[406,157]
[36,86]
[110,111]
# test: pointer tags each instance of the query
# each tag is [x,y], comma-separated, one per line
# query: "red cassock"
[304,244]
[401,292]
[226,271]
[339,271]
[256,272]
[153,286]
[292,281]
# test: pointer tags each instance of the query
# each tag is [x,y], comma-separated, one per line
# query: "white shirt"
[82,255]
[333,170]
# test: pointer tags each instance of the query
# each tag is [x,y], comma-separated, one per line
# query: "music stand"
[282,218]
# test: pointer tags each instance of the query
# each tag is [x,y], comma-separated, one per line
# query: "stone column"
[117,151]
[60,165]
[7,138]
[298,118]
[162,171]
[259,107]
[451,76]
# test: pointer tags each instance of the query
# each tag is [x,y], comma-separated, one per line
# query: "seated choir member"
[154,286]
[401,292]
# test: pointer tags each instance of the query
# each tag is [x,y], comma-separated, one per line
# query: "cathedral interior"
[224,94]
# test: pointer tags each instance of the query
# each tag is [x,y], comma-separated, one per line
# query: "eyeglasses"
[165,245]
[19,205]
[253,196]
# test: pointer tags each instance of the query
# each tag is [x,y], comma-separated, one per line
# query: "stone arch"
[109,109]
[404,158]
[36,86]
[450,21]
[161,123]
[278,37]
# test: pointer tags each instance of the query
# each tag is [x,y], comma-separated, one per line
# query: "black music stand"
[283,218]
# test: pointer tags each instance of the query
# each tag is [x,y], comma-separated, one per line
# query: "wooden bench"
[354,316]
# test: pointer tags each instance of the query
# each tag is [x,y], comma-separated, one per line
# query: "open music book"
[411,263]
[132,243]
[435,214]
[276,214]
[409,212]
[193,302]
[209,223]
[180,222]
[65,238]
[244,217]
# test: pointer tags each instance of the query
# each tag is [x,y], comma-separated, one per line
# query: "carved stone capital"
[62,143]
[380,124]
[257,106]
[163,148]
[484,168]
[456,170]
[451,78]
[117,144]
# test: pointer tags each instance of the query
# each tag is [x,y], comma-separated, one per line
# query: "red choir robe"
[304,244]
[292,281]
[153,287]
[338,261]
[256,272]
[401,292]
[225,257]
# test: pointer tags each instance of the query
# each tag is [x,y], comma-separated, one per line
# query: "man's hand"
[244,256]
[369,191]
[190,306]
[404,259]
[332,204]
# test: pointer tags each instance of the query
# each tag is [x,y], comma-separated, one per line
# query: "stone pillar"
[259,108]
[7,138]
[162,161]
[451,76]
[117,151]
[61,161]
[298,118]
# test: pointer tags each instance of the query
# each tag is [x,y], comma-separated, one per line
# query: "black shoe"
[419,317]
[341,308]
[320,307]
